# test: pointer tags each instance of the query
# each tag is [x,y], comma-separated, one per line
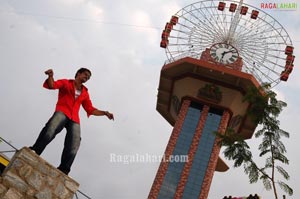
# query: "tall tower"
[216,51]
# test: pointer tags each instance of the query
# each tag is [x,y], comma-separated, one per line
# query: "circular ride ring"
[259,38]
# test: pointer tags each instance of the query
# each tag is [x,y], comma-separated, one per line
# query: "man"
[72,93]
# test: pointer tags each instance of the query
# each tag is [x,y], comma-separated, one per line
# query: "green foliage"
[264,105]
[267,182]
[264,110]
[251,170]
[238,152]
[283,172]
[286,188]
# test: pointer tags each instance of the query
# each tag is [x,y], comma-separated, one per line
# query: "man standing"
[72,93]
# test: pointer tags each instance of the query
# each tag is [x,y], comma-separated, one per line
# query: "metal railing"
[79,195]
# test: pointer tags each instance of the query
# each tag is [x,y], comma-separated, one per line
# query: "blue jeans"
[72,140]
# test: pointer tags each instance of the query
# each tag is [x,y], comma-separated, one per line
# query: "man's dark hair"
[82,70]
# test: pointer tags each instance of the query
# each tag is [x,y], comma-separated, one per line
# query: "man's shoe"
[63,170]
[31,148]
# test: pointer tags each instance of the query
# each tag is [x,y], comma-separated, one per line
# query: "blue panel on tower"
[200,162]
[172,177]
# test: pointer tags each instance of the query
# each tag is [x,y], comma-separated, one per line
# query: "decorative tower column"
[197,107]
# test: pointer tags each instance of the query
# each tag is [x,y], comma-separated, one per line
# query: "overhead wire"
[87,20]
[81,19]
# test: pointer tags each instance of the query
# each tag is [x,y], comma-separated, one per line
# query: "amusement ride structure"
[259,40]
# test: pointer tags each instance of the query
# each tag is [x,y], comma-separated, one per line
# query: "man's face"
[84,77]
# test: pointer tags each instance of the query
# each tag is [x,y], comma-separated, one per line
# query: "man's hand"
[49,72]
[109,115]
[50,80]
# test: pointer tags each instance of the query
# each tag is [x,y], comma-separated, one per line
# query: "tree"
[264,110]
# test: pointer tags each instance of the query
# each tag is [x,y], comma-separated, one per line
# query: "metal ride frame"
[260,39]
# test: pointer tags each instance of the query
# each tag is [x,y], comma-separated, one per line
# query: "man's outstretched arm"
[97,112]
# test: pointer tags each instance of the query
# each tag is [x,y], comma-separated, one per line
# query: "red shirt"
[67,103]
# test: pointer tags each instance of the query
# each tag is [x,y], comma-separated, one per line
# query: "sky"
[118,41]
